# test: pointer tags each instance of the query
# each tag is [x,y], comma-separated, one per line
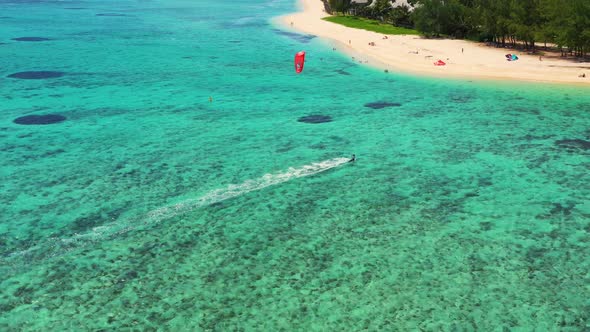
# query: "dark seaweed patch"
[284,149]
[244,22]
[39,119]
[381,104]
[461,98]
[315,119]
[52,153]
[36,75]
[559,209]
[573,144]
[529,137]
[486,225]
[342,72]
[318,146]
[86,222]
[295,36]
[484,182]
[534,254]
[31,39]
[111,14]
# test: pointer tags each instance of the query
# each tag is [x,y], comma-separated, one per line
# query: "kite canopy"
[439,63]
[299,61]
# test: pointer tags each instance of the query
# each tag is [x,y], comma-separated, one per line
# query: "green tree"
[436,17]
[568,23]
[402,16]
[340,6]
[525,21]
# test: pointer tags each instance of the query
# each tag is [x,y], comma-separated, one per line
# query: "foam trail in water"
[56,246]
[235,190]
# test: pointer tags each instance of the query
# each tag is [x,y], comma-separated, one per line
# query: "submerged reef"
[295,36]
[315,119]
[110,14]
[381,104]
[36,75]
[31,39]
[573,144]
[342,72]
[39,119]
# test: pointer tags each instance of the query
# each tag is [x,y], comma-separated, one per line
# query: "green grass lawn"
[371,25]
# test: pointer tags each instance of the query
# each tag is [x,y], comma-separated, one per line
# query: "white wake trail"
[58,246]
[235,190]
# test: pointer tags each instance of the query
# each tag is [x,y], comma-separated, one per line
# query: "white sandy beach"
[416,55]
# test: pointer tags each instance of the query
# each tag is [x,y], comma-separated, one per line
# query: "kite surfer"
[352,159]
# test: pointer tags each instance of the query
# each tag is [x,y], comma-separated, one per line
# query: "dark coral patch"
[461,97]
[31,39]
[381,104]
[315,119]
[574,144]
[39,119]
[110,14]
[559,209]
[244,22]
[36,75]
[295,36]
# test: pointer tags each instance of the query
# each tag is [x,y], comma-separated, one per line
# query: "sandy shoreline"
[416,55]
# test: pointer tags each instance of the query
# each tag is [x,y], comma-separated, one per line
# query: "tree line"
[525,23]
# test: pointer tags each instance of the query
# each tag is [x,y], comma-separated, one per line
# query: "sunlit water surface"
[181,192]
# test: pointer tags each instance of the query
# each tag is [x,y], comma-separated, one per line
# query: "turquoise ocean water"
[152,207]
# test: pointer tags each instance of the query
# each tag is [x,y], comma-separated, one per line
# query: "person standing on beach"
[461,50]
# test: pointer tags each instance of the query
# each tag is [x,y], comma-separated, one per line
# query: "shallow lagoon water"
[152,207]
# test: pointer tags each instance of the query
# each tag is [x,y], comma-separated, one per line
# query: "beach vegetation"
[371,25]
[337,6]
[381,11]
[564,24]
[522,23]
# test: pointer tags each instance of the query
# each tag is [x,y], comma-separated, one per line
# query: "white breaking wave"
[158,215]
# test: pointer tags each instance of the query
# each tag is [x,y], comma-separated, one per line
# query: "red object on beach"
[439,63]
[299,61]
